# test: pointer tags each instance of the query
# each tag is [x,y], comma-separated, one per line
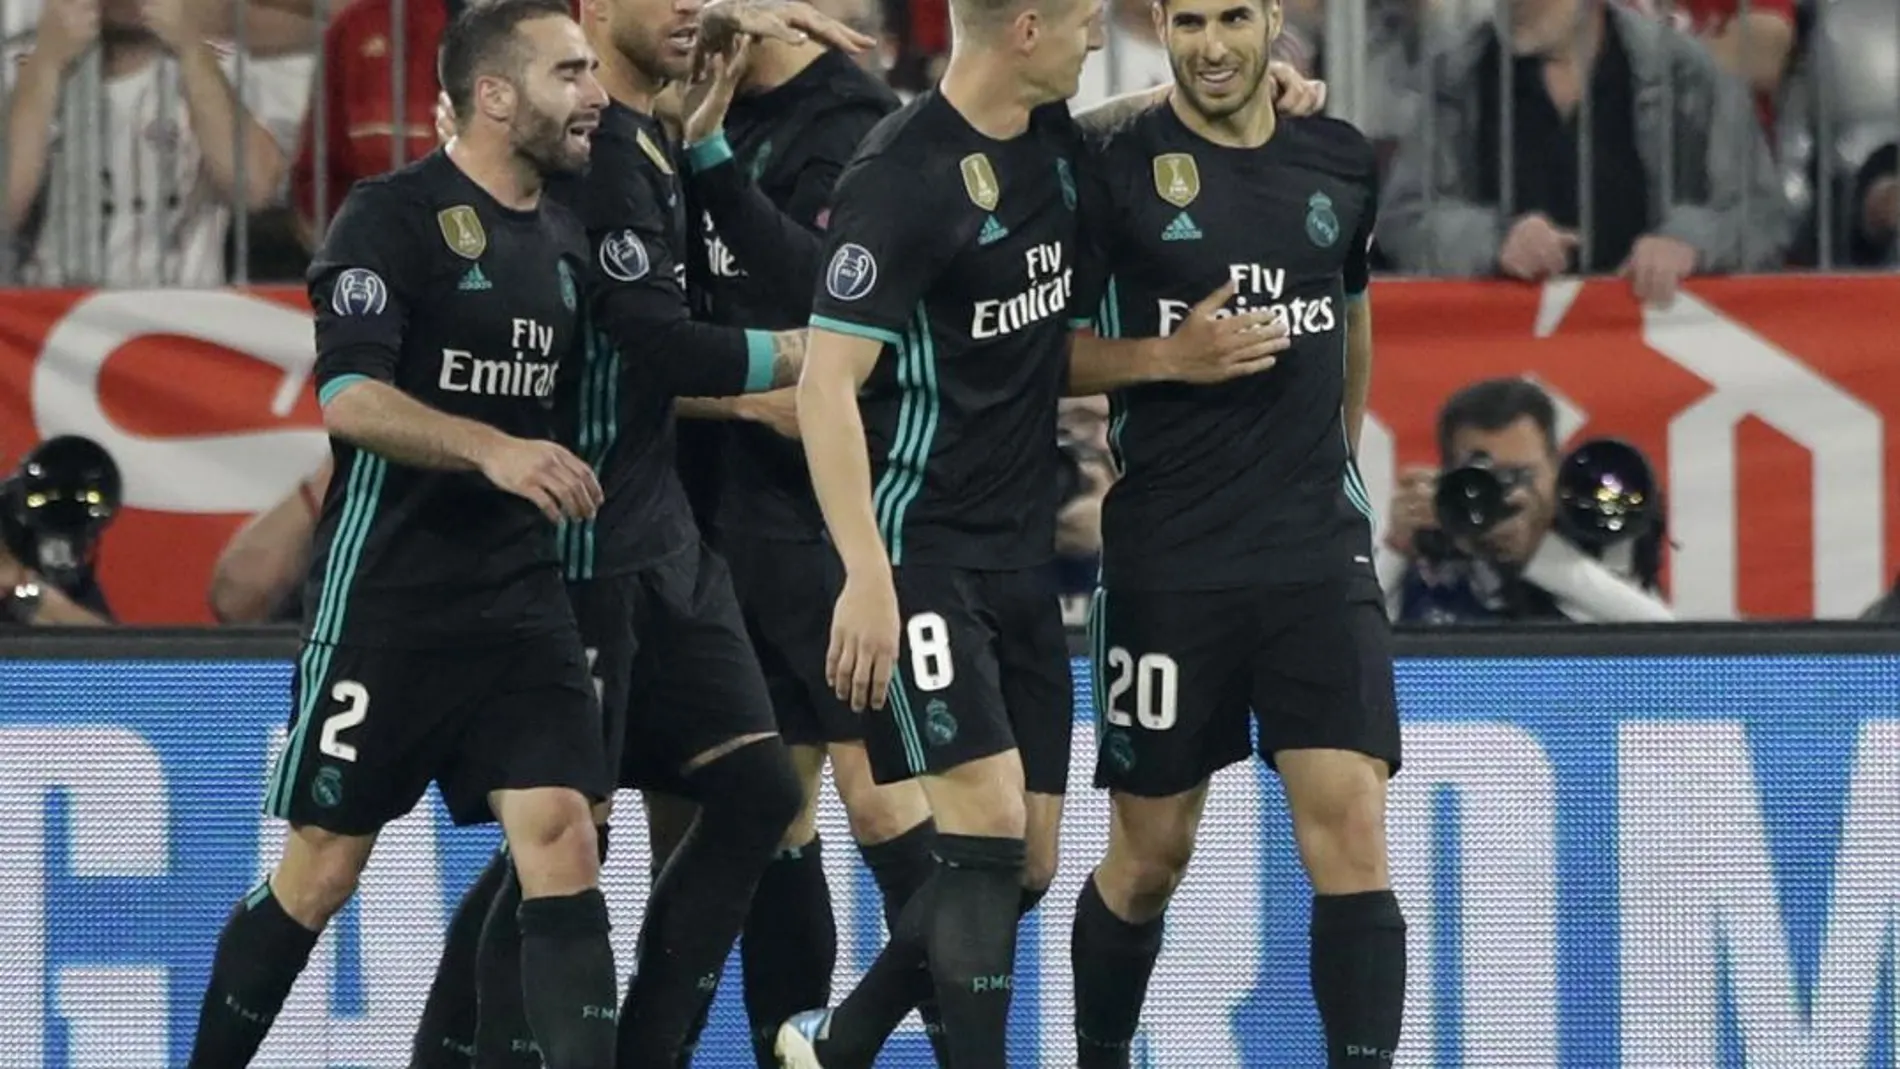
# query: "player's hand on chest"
[503,311]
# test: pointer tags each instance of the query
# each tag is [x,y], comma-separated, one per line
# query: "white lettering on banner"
[1697,884]
[1213,943]
[115,793]
[1506,793]
[214,473]
[1753,377]
[400,921]
[114,1016]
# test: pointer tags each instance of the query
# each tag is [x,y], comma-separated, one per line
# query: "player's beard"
[1251,73]
[650,55]
[542,140]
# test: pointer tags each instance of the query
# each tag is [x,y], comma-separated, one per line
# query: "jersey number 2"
[1155,679]
[930,665]
[355,699]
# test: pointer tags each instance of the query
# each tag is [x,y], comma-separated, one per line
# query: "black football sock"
[1358,971]
[445,1037]
[886,993]
[568,979]
[790,945]
[972,943]
[503,1037]
[747,799]
[260,953]
[900,866]
[1112,961]
[900,978]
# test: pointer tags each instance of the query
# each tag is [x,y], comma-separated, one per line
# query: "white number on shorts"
[355,699]
[600,685]
[1155,679]
[930,664]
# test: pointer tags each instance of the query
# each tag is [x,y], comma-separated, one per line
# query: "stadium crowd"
[204,142]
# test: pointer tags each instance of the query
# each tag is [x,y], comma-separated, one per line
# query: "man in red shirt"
[362,135]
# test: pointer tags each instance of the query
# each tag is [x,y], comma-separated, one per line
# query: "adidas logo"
[475,281]
[993,231]
[1182,229]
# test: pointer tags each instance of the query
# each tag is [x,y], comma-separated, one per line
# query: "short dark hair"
[1494,404]
[482,42]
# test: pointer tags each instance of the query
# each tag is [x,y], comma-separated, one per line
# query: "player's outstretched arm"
[864,625]
[1211,345]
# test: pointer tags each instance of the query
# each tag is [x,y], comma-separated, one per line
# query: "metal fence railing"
[119,178]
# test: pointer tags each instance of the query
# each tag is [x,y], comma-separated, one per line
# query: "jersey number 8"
[1155,679]
[355,699]
[930,665]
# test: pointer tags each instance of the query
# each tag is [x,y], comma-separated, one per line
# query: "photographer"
[1493,549]
[260,573]
[1084,478]
[52,512]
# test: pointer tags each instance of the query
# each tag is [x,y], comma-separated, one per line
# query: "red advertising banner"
[1771,407]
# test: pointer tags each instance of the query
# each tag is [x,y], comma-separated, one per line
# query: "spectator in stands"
[1725,211]
[260,574]
[1520,568]
[170,139]
[52,511]
[1875,208]
[1131,58]
[1751,39]
[363,136]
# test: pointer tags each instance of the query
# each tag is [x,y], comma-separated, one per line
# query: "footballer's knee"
[1150,843]
[318,873]
[1337,800]
[878,812]
[980,798]
[552,838]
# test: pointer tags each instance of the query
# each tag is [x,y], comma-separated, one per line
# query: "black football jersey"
[1249,481]
[769,185]
[958,252]
[424,282]
[615,409]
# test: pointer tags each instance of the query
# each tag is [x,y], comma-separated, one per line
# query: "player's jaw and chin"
[558,101]
[656,36]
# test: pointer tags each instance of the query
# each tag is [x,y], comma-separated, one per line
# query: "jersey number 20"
[355,699]
[1155,679]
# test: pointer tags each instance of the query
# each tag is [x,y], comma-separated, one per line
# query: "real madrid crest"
[462,229]
[654,152]
[1177,179]
[979,181]
[1322,226]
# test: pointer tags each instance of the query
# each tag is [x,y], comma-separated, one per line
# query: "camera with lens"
[1606,494]
[56,504]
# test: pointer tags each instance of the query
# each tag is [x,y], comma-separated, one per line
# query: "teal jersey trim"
[599,420]
[758,360]
[710,153]
[897,703]
[917,414]
[859,330]
[361,495]
[338,385]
